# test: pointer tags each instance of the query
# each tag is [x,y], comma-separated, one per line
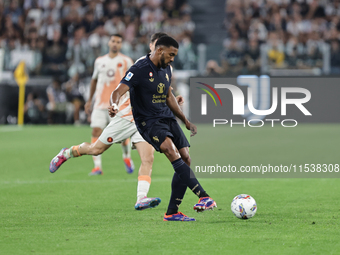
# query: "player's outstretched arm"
[174,107]
[115,96]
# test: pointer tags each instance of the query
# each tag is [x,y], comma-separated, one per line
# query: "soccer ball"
[244,206]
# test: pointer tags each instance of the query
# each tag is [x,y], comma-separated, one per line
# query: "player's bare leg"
[96,148]
[169,149]
[146,153]
[184,152]
[93,149]
[97,160]
[126,147]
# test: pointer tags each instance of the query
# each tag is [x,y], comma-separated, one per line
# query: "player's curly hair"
[167,41]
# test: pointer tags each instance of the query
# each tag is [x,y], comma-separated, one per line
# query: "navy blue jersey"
[149,86]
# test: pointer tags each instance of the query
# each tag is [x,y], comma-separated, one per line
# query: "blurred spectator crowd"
[61,102]
[297,33]
[64,37]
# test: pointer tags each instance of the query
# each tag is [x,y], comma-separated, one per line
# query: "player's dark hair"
[156,36]
[167,41]
[118,35]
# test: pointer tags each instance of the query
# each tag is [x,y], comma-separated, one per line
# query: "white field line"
[10,128]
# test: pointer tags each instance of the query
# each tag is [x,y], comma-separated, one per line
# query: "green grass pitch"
[69,212]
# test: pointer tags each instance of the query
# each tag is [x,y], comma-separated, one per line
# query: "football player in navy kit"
[154,108]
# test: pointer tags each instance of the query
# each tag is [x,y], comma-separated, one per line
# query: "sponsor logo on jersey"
[160,88]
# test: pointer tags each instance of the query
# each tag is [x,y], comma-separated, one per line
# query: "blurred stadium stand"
[279,38]
[217,38]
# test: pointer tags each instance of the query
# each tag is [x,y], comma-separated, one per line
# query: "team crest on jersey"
[151,79]
[160,88]
[120,65]
[110,73]
[167,77]
[155,138]
[128,76]
[110,139]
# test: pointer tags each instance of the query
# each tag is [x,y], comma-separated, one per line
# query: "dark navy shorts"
[156,134]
